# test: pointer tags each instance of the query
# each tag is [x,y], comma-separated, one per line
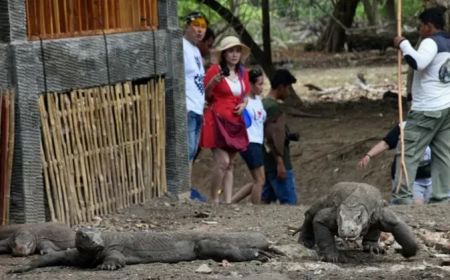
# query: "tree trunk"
[390,9]
[371,11]
[334,38]
[266,32]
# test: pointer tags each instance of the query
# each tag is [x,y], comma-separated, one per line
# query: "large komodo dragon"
[113,250]
[350,211]
[25,239]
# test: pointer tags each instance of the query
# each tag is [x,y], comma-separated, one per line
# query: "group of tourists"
[427,126]
[227,114]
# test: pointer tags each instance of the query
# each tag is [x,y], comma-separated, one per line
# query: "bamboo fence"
[51,19]
[6,151]
[103,148]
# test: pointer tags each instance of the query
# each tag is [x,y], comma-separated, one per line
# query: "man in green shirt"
[280,181]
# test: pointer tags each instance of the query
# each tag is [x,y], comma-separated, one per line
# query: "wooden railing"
[49,19]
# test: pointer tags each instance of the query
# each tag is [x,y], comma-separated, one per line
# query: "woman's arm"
[374,151]
[212,78]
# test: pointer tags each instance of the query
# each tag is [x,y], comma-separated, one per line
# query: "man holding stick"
[428,122]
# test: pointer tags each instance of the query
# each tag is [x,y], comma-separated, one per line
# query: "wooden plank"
[10,156]
[119,108]
[105,143]
[53,192]
[139,137]
[154,14]
[76,171]
[54,152]
[56,23]
[77,100]
[3,154]
[64,154]
[115,149]
[64,16]
[78,16]
[149,136]
[162,132]
[94,125]
[131,121]
[105,14]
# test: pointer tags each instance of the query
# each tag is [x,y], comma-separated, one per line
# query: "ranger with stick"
[428,122]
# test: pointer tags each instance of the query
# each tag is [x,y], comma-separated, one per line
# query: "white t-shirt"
[194,76]
[428,92]
[258,115]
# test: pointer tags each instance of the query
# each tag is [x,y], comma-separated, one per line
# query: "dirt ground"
[328,152]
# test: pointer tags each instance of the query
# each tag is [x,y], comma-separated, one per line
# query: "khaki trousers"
[425,128]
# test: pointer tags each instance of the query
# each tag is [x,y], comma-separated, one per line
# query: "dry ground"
[327,153]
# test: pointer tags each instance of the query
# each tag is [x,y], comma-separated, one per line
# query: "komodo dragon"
[113,250]
[25,239]
[350,211]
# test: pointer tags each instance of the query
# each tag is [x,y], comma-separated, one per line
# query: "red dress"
[223,102]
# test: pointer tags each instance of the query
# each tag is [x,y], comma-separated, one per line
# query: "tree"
[334,37]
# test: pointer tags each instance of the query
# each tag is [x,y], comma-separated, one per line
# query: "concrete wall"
[60,65]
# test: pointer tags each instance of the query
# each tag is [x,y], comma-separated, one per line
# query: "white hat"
[227,43]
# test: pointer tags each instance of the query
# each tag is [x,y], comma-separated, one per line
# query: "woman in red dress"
[226,87]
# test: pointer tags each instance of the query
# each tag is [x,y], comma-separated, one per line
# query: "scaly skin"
[43,238]
[353,210]
[114,250]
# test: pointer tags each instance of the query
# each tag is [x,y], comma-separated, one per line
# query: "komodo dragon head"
[23,244]
[352,220]
[89,240]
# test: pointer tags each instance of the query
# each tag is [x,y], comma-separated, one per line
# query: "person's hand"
[239,108]
[398,40]
[217,78]
[281,170]
[364,161]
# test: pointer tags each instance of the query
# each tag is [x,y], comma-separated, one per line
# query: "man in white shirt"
[194,74]
[428,122]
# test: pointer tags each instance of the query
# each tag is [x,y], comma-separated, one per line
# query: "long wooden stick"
[399,101]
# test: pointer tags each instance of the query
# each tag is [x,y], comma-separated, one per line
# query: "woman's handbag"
[247,118]
[230,135]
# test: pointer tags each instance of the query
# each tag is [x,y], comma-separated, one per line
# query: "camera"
[293,137]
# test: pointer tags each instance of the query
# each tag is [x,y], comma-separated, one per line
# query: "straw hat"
[227,43]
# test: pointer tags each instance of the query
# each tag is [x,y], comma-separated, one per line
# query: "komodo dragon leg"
[70,257]
[401,231]
[114,260]
[370,241]
[211,249]
[307,232]
[46,246]
[4,246]
[325,226]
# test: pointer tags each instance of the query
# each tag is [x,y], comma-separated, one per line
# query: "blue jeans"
[194,127]
[281,190]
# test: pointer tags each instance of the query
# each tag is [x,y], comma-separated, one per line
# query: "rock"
[226,263]
[204,269]
[210,222]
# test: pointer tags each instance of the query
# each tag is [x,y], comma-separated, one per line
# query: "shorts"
[253,156]
[281,190]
